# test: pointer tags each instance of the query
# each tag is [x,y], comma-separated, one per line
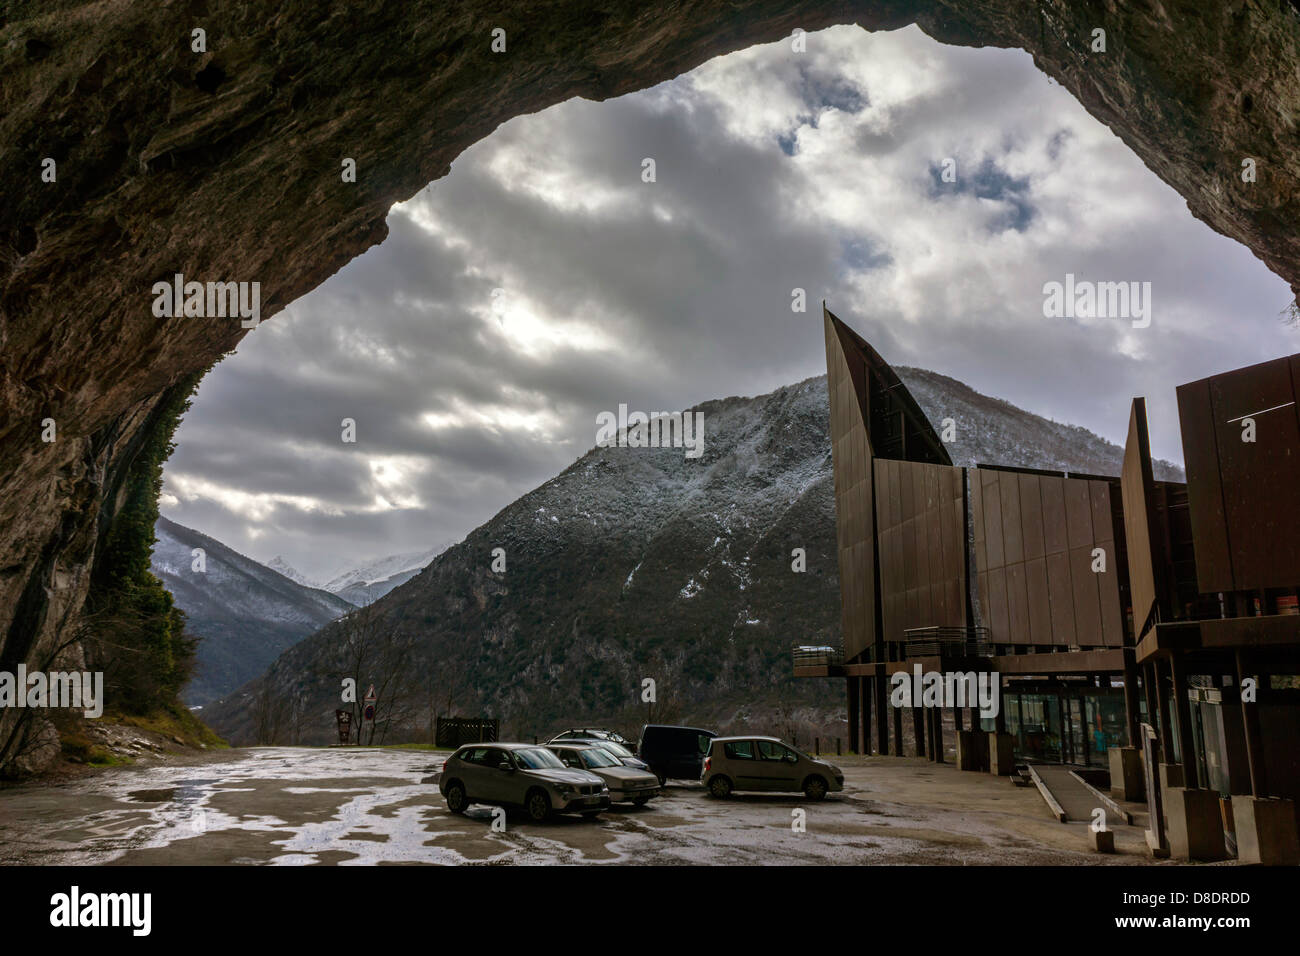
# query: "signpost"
[368,712]
[344,717]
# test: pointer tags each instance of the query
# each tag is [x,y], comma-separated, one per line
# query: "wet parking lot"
[292,806]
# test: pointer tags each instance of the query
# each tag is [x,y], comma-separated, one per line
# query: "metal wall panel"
[1017,602]
[1108,591]
[1013,549]
[993,519]
[1060,589]
[1204,488]
[1260,479]
[1055,538]
[919,513]
[1103,520]
[982,589]
[1087,608]
[1147,554]
[977,519]
[1078,512]
[998,621]
[1113,630]
[854,508]
[1040,603]
[1031,514]
[1048,526]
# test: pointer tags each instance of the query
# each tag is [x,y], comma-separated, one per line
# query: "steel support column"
[866,693]
[1186,742]
[938,733]
[882,706]
[1254,742]
[855,721]
[1131,714]
[1166,725]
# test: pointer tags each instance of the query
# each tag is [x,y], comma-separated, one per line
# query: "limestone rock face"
[39,750]
[224,165]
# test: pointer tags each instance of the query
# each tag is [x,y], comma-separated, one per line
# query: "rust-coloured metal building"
[1069,586]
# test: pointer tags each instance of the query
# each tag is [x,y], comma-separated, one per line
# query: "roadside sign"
[368,713]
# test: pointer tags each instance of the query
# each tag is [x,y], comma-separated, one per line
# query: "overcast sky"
[774,170]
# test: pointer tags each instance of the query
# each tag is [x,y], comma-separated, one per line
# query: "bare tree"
[444,689]
[270,713]
[376,656]
[1290,314]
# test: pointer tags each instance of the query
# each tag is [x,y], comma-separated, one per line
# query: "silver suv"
[765,763]
[519,775]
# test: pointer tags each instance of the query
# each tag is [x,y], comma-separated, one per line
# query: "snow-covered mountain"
[639,562]
[244,612]
[370,582]
[289,571]
[366,583]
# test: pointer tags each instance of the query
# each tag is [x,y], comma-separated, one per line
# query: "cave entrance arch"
[223,162]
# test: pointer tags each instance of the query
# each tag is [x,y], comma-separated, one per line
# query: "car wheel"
[814,788]
[640,801]
[457,801]
[590,814]
[720,787]
[662,779]
[539,805]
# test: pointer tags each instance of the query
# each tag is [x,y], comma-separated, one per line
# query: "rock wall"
[224,165]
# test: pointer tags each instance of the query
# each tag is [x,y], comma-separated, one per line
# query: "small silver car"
[519,775]
[765,763]
[625,756]
[625,783]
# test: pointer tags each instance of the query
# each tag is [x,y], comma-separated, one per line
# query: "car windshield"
[538,759]
[597,758]
[618,750]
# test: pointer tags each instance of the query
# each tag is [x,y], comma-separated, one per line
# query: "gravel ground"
[320,806]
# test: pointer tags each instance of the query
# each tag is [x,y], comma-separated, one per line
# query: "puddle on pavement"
[152,796]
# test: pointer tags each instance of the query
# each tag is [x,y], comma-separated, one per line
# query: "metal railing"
[935,641]
[818,655]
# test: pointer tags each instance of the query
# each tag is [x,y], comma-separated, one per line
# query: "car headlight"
[566,789]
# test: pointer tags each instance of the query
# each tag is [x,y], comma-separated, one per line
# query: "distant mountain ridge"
[372,581]
[639,563]
[282,566]
[992,431]
[366,583]
[245,613]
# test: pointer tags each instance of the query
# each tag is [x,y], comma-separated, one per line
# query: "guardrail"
[819,655]
[955,641]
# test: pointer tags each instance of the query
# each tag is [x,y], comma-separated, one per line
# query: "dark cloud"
[987,181]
